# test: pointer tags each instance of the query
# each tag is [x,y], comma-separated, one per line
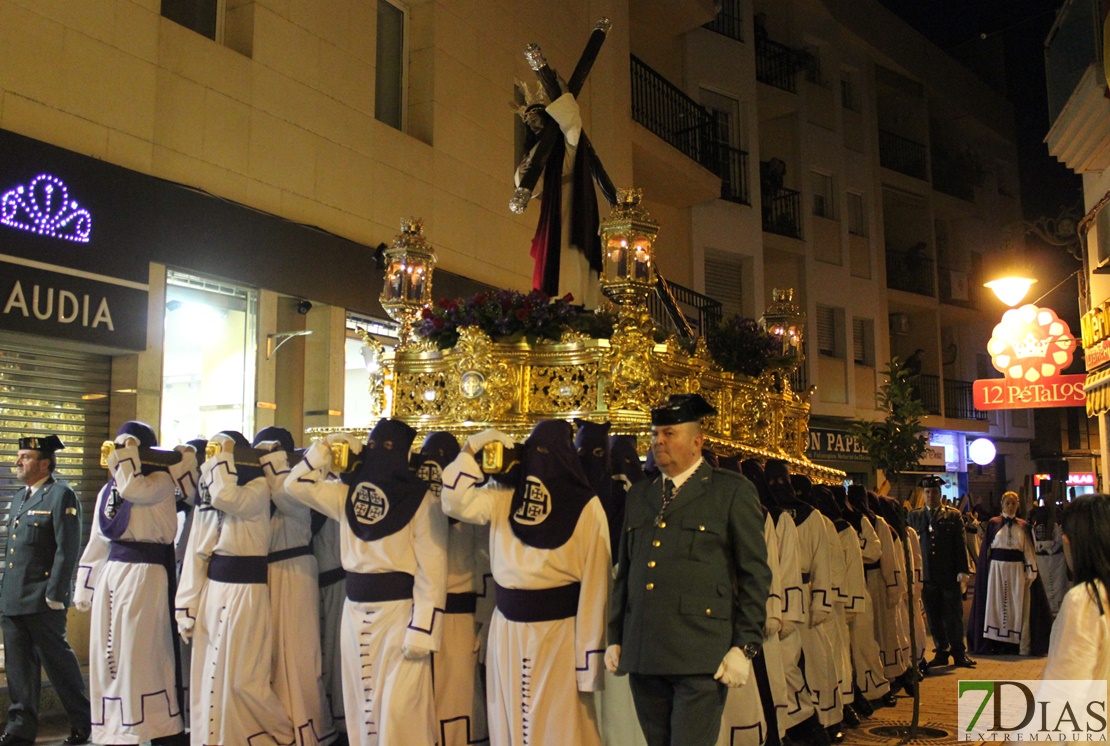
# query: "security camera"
[303,307]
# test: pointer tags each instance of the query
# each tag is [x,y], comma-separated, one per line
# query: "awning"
[1097,389]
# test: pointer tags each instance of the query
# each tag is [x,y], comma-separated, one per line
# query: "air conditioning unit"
[899,323]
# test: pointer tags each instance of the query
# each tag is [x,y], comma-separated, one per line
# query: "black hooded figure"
[549,552]
[627,471]
[393,549]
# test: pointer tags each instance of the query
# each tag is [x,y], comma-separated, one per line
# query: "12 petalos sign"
[1030,346]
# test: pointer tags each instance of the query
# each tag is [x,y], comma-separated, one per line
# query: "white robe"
[132,684]
[819,665]
[866,660]
[887,591]
[852,592]
[918,586]
[232,700]
[1007,617]
[743,722]
[540,674]
[388,693]
[297,669]
[1052,568]
[333,594]
[799,705]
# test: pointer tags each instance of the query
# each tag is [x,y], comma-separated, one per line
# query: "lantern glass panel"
[642,259]
[616,255]
[395,285]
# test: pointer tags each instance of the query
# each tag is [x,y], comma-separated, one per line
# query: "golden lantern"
[786,320]
[410,262]
[628,250]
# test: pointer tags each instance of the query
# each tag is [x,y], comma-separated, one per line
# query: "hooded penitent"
[384,494]
[436,452]
[551,490]
[778,480]
[627,471]
[592,443]
[115,512]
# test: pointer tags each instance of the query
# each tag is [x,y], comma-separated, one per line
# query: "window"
[208,362]
[830,331]
[730,136]
[848,92]
[724,274]
[389,93]
[201,16]
[358,370]
[863,342]
[857,215]
[810,59]
[824,202]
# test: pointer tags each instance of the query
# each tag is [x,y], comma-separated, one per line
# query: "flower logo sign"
[1031,347]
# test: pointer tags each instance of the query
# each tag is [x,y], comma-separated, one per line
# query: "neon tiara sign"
[44,207]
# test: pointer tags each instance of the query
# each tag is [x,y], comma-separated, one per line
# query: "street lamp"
[1010,290]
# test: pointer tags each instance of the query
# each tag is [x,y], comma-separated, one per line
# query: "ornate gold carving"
[633,383]
[495,394]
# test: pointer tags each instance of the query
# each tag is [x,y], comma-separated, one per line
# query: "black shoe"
[11,739]
[77,736]
[887,700]
[862,707]
[962,661]
[835,734]
[851,719]
[940,659]
[923,667]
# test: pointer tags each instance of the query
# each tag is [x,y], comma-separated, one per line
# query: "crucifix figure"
[561,149]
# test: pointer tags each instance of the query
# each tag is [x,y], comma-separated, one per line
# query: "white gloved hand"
[353,443]
[734,669]
[613,658]
[772,628]
[226,442]
[787,628]
[963,577]
[83,605]
[185,448]
[124,440]
[185,629]
[55,605]
[268,445]
[415,652]
[475,443]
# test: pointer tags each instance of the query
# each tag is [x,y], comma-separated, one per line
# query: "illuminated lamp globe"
[981,451]
[1010,290]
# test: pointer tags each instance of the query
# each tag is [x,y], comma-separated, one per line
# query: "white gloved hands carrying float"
[353,443]
[475,443]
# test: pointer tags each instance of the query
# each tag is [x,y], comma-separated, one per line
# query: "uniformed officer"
[44,544]
[689,600]
[940,528]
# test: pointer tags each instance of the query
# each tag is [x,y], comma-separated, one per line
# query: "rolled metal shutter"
[59,391]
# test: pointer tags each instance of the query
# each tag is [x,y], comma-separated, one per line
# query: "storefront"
[126,296]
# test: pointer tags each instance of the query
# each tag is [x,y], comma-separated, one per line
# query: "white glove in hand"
[83,605]
[787,628]
[734,669]
[185,629]
[963,577]
[415,652]
[185,448]
[226,442]
[772,628]
[55,605]
[126,441]
[268,445]
[475,443]
[613,658]
[353,443]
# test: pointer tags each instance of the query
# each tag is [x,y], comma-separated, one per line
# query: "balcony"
[910,271]
[1073,45]
[776,64]
[782,212]
[663,109]
[951,177]
[902,155]
[670,300]
[959,402]
[733,169]
[729,21]
[927,389]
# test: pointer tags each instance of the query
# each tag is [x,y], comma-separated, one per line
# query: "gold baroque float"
[479,383]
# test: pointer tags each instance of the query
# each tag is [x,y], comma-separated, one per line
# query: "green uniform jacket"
[943,549]
[44,545]
[695,585]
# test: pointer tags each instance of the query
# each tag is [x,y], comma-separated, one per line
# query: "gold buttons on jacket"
[701,528]
[709,612]
[650,586]
[651,564]
[663,524]
[656,543]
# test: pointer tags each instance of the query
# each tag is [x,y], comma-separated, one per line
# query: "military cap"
[48,443]
[681,408]
[927,482]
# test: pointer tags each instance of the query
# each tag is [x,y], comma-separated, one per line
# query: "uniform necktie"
[668,495]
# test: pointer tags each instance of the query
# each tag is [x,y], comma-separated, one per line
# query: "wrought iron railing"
[733,170]
[910,271]
[782,212]
[903,155]
[668,112]
[776,64]
[698,313]
[729,21]
[926,389]
[959,401]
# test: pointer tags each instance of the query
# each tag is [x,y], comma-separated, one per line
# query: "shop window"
[358,369]
[208,368]
[390,73]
